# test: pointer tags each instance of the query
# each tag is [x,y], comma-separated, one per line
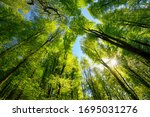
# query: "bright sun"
[111,62]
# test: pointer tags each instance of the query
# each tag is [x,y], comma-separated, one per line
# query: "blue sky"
[77,48]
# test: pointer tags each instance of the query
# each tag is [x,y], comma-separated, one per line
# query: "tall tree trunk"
[138,77]
[20,44]
[21,63]
[120,43]
[131,94]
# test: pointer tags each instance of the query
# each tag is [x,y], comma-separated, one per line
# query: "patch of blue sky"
[86,14]
[95,0]
[13,42]
[77,51]
[28,16]
[77,48]
[20,11]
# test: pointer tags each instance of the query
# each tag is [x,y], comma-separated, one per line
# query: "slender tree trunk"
[138,77]
[132,23]
[126,83]
[19,44]
[139,42]
[21,63]
[120,43]
[131,94]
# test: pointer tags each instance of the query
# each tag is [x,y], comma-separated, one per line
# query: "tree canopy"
[36,58]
